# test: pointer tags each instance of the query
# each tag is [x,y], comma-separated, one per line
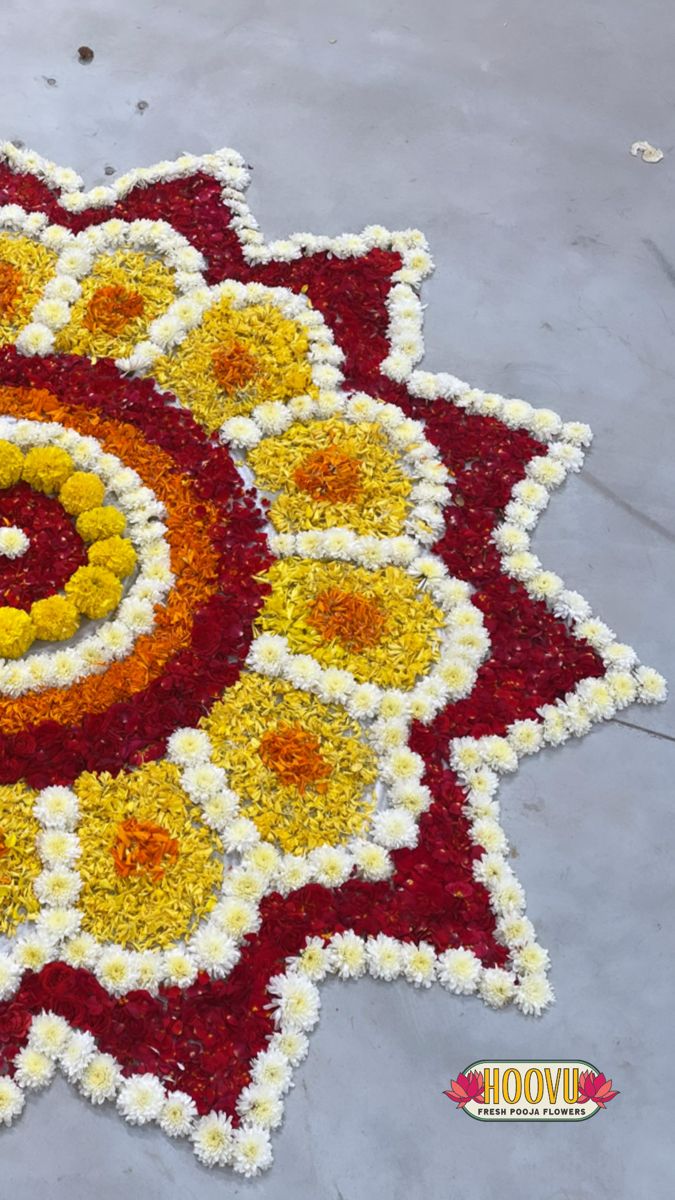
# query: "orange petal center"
[10,286]
[233,366]
[329,474]
[294,755]
[349,617]
[143,845]
[111,308]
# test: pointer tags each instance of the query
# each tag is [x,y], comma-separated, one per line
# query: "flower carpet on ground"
[270,632]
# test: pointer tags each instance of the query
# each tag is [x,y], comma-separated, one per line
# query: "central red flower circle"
[202,632]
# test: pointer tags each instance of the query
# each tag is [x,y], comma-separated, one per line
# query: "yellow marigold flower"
[379,625]
[300,766]
[11,464]
[19,862]
[235,359]
[54,619]
[82,490]
[46,468]
[16,632]
[101,522]
[116,554]
[150,868]
[94,591]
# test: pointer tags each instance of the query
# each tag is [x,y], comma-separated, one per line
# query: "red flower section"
[56,550]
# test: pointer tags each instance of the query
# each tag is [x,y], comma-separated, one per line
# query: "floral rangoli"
[270,632]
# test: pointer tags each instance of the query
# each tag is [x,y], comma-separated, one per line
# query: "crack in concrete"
[666,737]
[613,496]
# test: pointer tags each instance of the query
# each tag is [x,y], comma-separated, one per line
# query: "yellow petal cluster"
[101,325]
[143,910]
[19,861]
[295,818]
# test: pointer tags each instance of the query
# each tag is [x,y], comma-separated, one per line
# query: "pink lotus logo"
[523,1090]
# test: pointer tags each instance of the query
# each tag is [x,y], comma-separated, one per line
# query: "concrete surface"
[502,130]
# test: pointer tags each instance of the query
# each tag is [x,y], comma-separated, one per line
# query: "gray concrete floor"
[501,130]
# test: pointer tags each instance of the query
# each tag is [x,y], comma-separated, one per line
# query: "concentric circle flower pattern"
[270,632]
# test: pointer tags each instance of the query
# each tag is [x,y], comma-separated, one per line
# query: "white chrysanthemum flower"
[100,1079]
[203,780]
[10,974]
[577,433]
[465,756]
[214,951]
[212,1140]
[77,1053]
[178,1114]
[218,810]
[530,958]
[372,861]
[294,872]
[546,470]
[82,950]
[389,734]
[394,828]
[186,747]
[180,968]
[555,729]
[313,960]
[523,564]
[252,1151]
[419,963]
[264,858]
[496,986]
[384,957]
[117,970]
[403,766]
[596,695]
[13,542]
[488,834]
[620,656]
[33,1069]
[295,1001]
[653,688]
[141,1099]
[596,632]
[241,432]
[58,847]
[526,737]
[331,865]
[149,971]
[515,930]
[457,676]
[623,687]
[510,895]
[491,870]
[272,1068]
[459,971]
[268,654]
[545,585]
[236,917]
[293,1044]
[531,493]
[48,1033]
[12,1100]
[260,1103]
[534,994]
[510,539]
[303,672]
[414,797]
[57,887]
[336,685]
[240,835]
[35,339]
[56,807]
[364,700]
[347,955]
[248,885]
[498,753]
[544,423]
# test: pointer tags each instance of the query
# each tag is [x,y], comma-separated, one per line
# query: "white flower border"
[295,997]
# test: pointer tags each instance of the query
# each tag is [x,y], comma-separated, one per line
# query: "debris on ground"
[650,154]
